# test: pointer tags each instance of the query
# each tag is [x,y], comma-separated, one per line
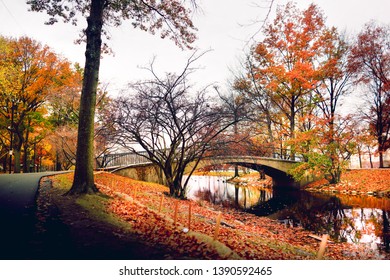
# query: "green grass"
[95,204]
[63,182]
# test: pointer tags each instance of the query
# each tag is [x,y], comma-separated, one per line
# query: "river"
[346,218]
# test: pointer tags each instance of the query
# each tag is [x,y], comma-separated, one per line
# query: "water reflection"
[345,218]
[219,191]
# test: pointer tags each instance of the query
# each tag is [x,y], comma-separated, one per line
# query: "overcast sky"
[224,27]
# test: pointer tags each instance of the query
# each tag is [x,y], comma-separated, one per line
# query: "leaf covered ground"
[357,181]
[146,212]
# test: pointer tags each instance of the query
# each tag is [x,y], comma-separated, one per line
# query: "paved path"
[24,236]
[17,220]
[17,191]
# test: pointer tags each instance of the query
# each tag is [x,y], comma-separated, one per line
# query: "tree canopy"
[171,18]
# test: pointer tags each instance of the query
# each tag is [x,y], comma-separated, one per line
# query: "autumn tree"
[328,139]
[370,60]
[172,122]
[28,71]
[326,158]
[4,120]
[366,143]
[262,113]
[296,76]
[171,17]
[336,78]
[284,61]
[335,82]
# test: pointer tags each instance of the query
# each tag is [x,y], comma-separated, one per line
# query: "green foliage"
[317,165]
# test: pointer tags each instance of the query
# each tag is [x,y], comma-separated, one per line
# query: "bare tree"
[171,17]
[173,125]
[370,60]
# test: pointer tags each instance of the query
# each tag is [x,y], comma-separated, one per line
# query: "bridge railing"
[286,154]
[122,159]
[127,159]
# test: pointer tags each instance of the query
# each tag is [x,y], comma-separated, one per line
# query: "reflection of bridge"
[274,165]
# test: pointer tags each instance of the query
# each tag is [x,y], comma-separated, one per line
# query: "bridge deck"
[140,158]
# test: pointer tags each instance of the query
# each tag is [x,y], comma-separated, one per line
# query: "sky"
[224,28]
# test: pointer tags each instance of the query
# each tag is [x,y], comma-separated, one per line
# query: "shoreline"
[367,182]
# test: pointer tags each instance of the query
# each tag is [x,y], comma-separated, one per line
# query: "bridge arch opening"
[279,178]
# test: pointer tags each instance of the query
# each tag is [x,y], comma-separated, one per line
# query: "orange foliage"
[248,236]
[30,74]
[360,181]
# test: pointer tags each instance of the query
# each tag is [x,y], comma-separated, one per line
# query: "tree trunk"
[83,178]
[381,163]
[16,160]
[360,157]
[236,174]
[26,163]
[58,166]
[371,163]
[292,126]
[4,162]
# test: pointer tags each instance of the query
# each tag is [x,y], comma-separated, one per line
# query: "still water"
[353,219]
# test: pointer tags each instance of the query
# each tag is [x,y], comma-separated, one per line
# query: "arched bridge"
[276,168]
[137,166]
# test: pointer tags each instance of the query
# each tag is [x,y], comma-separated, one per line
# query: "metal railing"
[128,159]
[122,159]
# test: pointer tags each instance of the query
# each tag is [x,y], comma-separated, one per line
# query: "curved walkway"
[17,204]
[24,235]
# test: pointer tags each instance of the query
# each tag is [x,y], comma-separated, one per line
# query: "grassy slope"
[134,208]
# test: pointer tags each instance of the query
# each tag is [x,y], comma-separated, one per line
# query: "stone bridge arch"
[275,168]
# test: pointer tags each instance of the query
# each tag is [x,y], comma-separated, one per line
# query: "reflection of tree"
[252,197]
[324,215]
[219,191]
[315,212]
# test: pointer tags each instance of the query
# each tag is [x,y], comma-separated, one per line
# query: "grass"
[96,208]
[135,212]
[96,205]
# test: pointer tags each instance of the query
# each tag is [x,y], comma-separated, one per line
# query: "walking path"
[17,221]
[28,232]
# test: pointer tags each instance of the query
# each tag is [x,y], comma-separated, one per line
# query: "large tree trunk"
[381,162]
[17,150]
[83,177]
[17,153]
[292,126]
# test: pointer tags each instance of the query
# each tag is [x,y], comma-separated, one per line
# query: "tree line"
[287,96]
[297,76]
[39,107]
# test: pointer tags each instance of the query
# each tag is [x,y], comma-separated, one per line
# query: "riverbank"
[144,212]
[357,182]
